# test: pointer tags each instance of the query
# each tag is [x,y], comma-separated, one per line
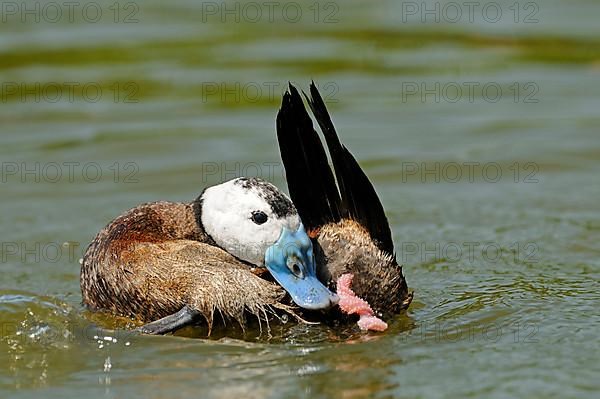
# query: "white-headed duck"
[173,264]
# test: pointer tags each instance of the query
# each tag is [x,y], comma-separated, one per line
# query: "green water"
[494,202]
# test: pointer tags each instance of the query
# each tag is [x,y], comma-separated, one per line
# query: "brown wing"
[153,280]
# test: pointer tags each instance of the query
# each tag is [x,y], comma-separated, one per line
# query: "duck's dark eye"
[259,217]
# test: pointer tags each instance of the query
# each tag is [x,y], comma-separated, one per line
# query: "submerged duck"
[346,221]
[173,264]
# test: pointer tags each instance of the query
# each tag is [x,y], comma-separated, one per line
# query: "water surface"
[505,267]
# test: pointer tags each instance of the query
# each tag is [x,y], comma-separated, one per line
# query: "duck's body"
[156,258]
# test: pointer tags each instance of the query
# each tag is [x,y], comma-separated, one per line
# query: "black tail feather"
[310,181]
[358,195]
[358,200]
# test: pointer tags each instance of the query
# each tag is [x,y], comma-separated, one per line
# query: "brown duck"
[174,264]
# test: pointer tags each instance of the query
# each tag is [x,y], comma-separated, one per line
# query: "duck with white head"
[173,264]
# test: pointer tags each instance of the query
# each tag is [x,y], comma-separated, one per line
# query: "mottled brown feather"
[155,259]
[347,247]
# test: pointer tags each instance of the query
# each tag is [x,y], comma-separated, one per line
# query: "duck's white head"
[246,216]
[254,221]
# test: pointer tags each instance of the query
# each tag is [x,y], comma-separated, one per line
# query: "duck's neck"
[164,221]
[178,221]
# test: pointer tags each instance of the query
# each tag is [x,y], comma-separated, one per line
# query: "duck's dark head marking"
[281,205]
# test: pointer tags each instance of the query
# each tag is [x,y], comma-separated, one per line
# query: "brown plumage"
[347,247]
[155,259]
